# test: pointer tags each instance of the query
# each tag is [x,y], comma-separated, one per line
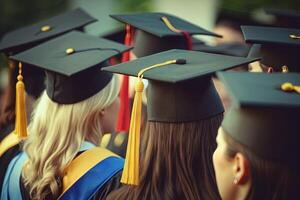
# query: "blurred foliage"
[17,13]
[127,6]
[246,6]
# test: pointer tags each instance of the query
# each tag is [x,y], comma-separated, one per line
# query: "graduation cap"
[180,90]
[265,113]
[37,33]
[284,17]
[279,46]
[231,49]
[158,32]
[73,65]
[27,37]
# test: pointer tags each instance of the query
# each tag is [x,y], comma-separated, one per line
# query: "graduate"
[277,46]
[148,33]
[13,43]
[79,105]
[257,156]
[184,112]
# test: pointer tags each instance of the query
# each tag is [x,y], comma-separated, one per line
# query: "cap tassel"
[186,34]
[21,117]
[131,168]
[123,120]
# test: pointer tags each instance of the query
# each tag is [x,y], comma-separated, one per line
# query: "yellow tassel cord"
[131,168]
[293,36]
[289,87]
[21,117]
[170,26]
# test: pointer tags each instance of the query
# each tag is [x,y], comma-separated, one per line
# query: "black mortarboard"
[158,32]
[279,46]
[73,65]
[265,113]
[32,35]
[231,49]
[27,37]
[284,17]
[180,90]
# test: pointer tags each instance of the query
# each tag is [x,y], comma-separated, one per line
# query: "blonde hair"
[56,134]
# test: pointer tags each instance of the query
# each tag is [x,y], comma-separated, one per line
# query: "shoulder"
[91,171]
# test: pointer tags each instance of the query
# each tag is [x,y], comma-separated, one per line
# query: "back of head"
[183,113]
[263,128]
[176,161]
[56,133]
[270,180]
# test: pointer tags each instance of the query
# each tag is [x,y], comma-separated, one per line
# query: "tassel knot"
[139,85]
[20,78]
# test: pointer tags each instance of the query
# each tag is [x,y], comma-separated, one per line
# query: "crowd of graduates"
[198,122]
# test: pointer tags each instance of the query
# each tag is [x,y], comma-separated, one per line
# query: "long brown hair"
[176,162]
[270,180]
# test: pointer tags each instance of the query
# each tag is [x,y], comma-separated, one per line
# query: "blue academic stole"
[86,174]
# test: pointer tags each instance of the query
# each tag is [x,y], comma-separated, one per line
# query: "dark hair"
[176,162]
[270,180]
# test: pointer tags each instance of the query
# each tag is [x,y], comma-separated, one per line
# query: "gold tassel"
[21,117]
[131,168]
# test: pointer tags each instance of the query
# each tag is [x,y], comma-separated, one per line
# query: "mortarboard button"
[45,28]
[69,51]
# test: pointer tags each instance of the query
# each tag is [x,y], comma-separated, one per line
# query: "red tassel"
[188,40]
[123,121]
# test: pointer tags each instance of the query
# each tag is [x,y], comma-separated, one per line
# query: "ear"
[241,169]
[102,112]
